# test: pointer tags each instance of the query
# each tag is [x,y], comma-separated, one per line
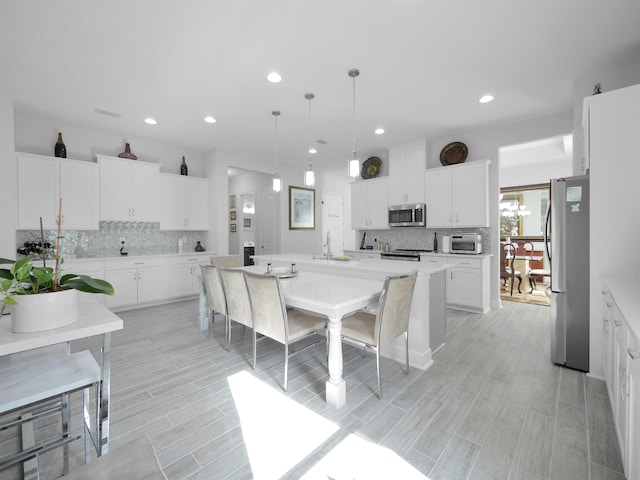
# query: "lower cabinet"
[621,362]
[183,276]
[467,281]
[136,281]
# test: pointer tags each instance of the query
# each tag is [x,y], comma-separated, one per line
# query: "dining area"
[290,304]
[523,268]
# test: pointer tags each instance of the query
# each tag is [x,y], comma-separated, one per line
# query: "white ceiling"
[423,64]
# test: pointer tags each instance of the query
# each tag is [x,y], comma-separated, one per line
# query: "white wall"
[538,172]
[38,135]
[485,143]
[8,185]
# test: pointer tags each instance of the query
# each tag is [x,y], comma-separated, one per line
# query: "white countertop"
[625,293]
[426,254]
[94,319]
[130,256]
[367,264]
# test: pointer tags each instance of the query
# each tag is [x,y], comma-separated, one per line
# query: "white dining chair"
[216,302]
[389,321]
[237,297]
[271,318]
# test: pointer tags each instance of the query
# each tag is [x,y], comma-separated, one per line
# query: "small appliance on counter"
[469,243]
[408,215]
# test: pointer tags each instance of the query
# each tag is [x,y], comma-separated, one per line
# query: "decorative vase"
[199,247]
[184,170]
[127,153]
[44,311]
[60,150]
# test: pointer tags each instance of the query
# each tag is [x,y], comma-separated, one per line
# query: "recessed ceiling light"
[151,121]
[485,98]
[313,150]
[274,77]
[209,119]
[379,131]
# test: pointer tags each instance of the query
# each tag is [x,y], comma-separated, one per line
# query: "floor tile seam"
[516,451]
[555,422]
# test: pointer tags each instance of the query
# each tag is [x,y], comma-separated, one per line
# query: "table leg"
[336,386]
[104,397]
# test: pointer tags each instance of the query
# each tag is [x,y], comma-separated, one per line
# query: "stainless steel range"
[403,254]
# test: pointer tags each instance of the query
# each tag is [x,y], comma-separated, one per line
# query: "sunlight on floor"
[357,458]
[279,433]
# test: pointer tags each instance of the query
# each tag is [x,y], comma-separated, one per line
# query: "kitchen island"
[427,322]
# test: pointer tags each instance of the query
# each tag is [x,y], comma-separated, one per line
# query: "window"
[523,211]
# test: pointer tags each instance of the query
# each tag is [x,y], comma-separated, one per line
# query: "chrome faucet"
[329,254]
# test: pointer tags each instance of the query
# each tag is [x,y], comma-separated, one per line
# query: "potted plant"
[41,299]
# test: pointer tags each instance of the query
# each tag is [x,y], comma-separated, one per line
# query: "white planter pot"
[44,311]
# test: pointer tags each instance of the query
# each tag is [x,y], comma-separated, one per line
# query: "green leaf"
[6,260]
[85,283]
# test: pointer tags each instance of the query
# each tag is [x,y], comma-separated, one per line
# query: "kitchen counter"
[91,258]
[427,321]
[362,268]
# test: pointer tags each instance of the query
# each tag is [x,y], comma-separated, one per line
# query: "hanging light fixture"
[309,175]
[354,163]
[277,182]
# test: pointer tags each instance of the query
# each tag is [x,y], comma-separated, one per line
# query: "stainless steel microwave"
[470,243]
[408,215]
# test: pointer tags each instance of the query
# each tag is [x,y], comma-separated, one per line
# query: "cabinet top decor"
[455,152]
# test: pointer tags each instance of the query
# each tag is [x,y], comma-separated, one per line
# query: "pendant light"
[277,182]
[309,175]
[354,163]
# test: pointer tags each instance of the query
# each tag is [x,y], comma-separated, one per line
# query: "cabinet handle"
[464,263]
[604,292]
[634,354]
[617,322]
[609,304]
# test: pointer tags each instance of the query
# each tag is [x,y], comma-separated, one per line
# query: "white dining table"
[334,297]
[94,319]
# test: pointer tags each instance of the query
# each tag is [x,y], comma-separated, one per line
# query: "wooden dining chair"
[389,321]
[271,318]
[508,253]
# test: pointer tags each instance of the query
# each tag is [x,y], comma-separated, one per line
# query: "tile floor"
[491,407]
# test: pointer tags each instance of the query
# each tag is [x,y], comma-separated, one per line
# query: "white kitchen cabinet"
[621,384]
[136,281]
[43,180]
[129,190]
[407,163]
[183,273]
[633,388]
[608,343]
[458,195]
[467,280]
[185,203]
[621,358]
[369,204]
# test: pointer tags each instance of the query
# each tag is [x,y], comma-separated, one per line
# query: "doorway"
[525,170]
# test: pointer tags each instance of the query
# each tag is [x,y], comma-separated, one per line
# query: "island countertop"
[349,266]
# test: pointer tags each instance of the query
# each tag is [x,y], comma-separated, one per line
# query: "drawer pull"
[618,323]
[634,354]
[609,304]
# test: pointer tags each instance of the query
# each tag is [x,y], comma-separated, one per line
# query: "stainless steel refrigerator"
[567,248]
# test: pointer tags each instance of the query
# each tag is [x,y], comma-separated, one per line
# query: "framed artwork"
[302,208]
[232,215]
[232,228]
[247,223]
[232,202]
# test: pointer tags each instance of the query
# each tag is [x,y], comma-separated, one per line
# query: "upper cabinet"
[458,195]
[129,190]
[43,181]
[407,163]
[185,203]
[369,204]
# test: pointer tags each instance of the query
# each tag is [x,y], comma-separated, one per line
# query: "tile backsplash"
[141,238]
[419,238]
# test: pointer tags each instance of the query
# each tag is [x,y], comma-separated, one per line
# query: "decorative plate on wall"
[370,168]
[455,152]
